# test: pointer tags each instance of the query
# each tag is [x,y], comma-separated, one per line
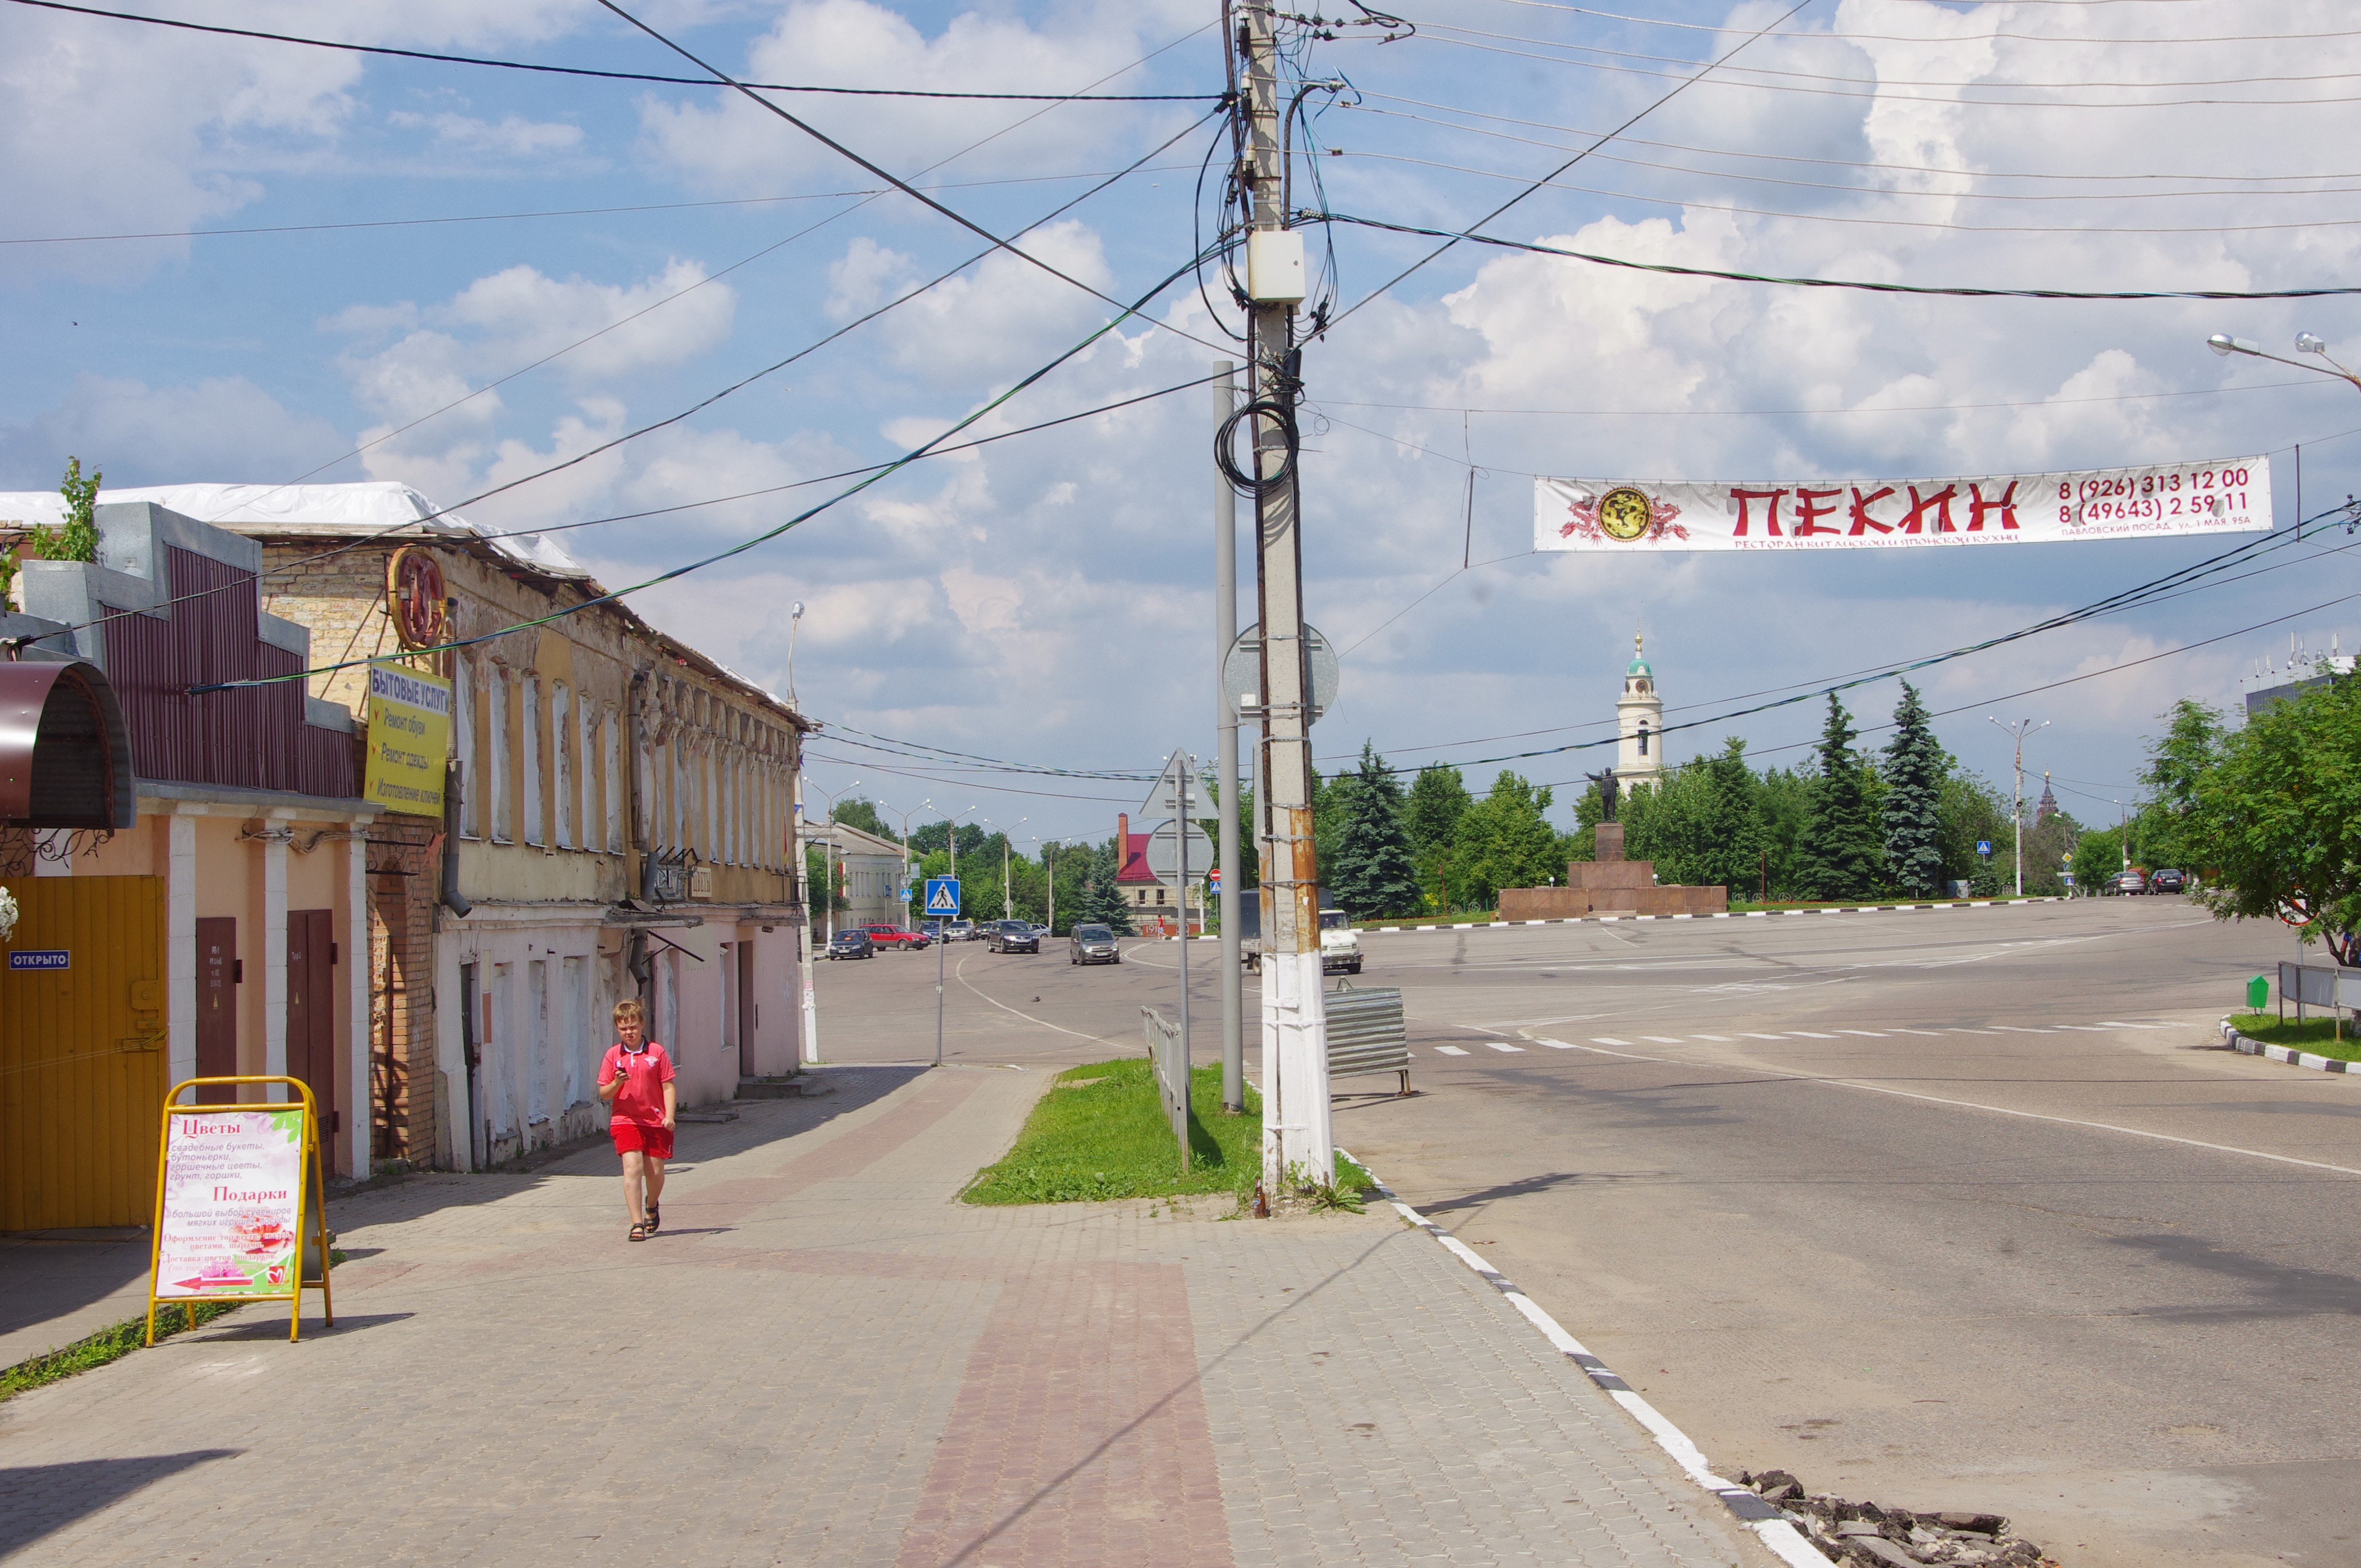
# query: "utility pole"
[2020,729]
[1225,759]
[1297,1142]
[801,862]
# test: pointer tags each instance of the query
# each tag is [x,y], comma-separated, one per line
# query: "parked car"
[1010,936]
[1039,930]
[2131,880]
[933,929]
[894,937]
[2167,880]
[851,943]
[1092,945]
[959,931]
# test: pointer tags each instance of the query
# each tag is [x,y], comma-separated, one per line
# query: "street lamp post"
[1007,899]
[905,817]
[826,858]
[2223,343]
[2022,727]
[951,823]
[794,618]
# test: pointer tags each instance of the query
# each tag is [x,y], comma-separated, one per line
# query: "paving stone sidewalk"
[825,1359]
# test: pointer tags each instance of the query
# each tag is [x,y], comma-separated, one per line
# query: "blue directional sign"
[942,896]
[1984,846]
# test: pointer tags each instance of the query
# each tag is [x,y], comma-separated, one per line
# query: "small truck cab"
[1340,945]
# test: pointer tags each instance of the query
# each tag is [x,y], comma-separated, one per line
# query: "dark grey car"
[1010,936]
[1092,945]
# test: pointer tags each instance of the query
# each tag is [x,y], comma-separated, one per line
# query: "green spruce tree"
[1370,873]
[1104,902]
[1438,799]
[1912,811]
[1838,856]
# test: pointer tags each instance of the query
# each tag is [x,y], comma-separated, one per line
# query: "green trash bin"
[2258,993]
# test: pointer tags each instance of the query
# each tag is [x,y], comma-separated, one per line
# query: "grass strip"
[2317,1036]
[1100,1133]
[111,1343]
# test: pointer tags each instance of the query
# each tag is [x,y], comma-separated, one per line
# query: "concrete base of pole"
[1298,1143]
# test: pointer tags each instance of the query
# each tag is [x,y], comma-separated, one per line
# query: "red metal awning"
[65,757]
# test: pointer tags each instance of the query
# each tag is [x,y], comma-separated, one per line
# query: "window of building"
[613,788]
[529,708]
[1643,737]
[497,753]
[561,732]
[463,720]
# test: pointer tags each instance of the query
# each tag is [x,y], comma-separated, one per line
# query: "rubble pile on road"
[1868,1536]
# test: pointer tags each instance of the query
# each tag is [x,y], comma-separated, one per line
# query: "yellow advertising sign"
[409,737]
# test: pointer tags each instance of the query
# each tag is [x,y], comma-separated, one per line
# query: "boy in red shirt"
[636,1078]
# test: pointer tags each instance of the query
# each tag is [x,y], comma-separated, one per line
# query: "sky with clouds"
[351,266]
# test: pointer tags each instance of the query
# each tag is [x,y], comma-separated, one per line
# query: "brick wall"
[403,859]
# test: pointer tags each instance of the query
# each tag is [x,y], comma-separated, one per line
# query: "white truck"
[1340,945]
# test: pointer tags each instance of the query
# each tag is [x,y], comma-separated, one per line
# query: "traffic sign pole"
[943,901]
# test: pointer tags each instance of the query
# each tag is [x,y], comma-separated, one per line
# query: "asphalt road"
[1952,1208]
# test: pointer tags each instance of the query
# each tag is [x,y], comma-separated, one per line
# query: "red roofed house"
[1152,904]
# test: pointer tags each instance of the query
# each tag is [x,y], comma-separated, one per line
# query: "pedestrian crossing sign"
[942,896]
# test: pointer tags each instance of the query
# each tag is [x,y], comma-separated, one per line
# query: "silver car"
[1092,945]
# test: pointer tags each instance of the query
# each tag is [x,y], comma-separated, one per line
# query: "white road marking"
[2084,1028]
[2014,1029]
[2027,1115]
[1664,1039]
[1609,1040]
[1555,1044]
[1806,1034]
[1503,1045]
[1717,1039]
[1930,1034]
[1744,1035]
[1865,1034]
[2118,1023]
[1956,1029]
[1451,1050]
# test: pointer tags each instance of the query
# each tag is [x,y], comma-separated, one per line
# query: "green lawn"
[1100,1133]
[2317,1036]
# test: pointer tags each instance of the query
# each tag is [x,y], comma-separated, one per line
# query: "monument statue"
[1605,780]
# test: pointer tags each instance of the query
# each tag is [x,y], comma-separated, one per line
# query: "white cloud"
[511,136]
[730,144]
[224,428]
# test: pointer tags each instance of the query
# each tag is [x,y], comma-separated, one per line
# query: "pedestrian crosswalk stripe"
[1451,1050]
[1608,1040]
[1555,1044]
[1744,1036]
[1808,1035]
[1930,1034]
[1503,1045]
[1717,1039]
[1869,1034]
[2014,1029]
[1663,1039]
[2119,1023]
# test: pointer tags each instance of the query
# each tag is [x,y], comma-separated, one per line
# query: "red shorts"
[633,1138]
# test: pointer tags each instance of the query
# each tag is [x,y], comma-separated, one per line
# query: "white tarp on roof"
[361,507]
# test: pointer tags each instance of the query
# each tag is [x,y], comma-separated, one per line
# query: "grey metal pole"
[939,998]
[1225,762]
[1182,824]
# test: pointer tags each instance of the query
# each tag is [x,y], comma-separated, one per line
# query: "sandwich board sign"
[942,896]
[237,1198]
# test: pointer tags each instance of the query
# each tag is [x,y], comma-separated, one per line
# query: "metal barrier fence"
[1365,1032]
[2318,985]
[1168,1048]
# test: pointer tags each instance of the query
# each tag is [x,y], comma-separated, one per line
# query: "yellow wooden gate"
[82,1061]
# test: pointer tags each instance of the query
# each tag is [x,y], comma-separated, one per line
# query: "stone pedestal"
[1610,837]
[1609,885]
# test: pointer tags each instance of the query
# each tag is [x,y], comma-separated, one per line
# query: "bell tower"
[1639,722]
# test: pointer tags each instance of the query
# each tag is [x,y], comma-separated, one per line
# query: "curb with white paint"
[2287,1054]
[1765,1519]
[1740,914]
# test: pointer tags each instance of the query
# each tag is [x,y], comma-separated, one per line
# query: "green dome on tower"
[1638,660]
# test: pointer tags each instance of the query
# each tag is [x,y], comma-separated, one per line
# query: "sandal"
[639,1232]
[655,1218]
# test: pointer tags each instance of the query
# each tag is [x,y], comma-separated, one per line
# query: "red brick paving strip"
[1079,1436]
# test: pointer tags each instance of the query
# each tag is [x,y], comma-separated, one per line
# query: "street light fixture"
[794,618]
[2223,343]
[2022,728]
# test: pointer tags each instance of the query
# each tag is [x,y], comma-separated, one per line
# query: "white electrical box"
[1274,267]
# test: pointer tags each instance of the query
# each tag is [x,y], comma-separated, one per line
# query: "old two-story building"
[617,822]
[214,924]
[870,873]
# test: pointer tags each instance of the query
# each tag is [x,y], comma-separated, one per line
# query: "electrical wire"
[1665,98]
[965,783]
[672,419]
[1925,39]
[2309,383]
[1825,163]
[1688,203]
[1889,97]
[2280,187]
[913,191]
[571,211]
[1735,277]
[443,59]
[742,546]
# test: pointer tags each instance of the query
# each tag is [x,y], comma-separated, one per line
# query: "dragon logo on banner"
[1623,514]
